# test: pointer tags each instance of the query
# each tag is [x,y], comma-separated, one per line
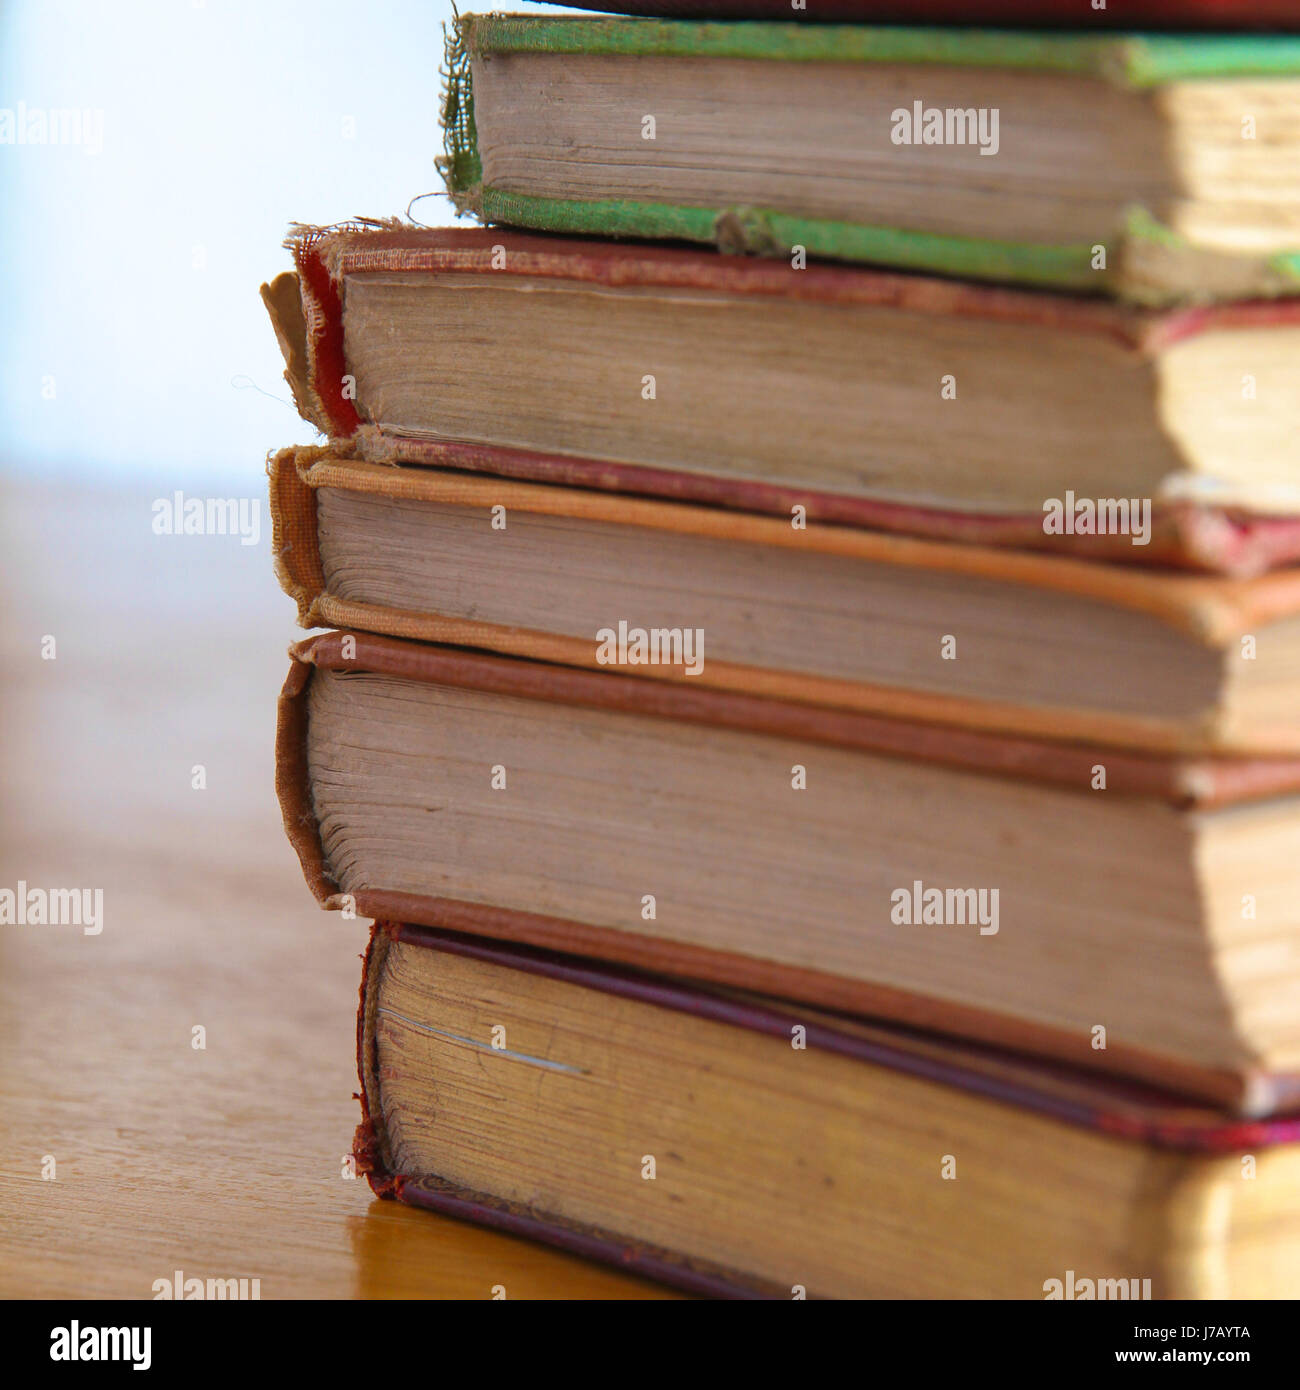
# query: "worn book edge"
[1211,612]
[373,1154]
[1193,784]
[325,256]
[1190,534]
[1121,1110]
[1147,264]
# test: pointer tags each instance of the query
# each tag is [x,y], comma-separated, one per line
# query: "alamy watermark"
[192,1288]
[1098,516]
[179,515]
[77,1343]
[654,646]
[62,125]
[1073,1287]
[946,125]
[945,907]
[53,907]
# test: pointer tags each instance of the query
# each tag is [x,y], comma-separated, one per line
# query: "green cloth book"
[1155,168]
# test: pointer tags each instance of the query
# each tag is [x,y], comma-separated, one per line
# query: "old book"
[1064,14]
[895,402]
[1153,167]
[990,886]
[958,635]
[736,1146]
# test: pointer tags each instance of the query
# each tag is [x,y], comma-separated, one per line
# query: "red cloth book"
[1027,346]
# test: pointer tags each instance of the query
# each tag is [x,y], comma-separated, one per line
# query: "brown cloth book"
[970,636]
[737,1146]
[898,402]
[1129,912]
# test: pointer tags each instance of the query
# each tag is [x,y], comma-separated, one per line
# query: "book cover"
[1146,260]
[307,311]
[482,595]
[1007,1091]
[1189,536]
[1191,783]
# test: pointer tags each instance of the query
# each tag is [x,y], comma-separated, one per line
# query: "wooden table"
[224,1161]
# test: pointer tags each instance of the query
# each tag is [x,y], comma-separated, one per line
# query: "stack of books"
[815,714]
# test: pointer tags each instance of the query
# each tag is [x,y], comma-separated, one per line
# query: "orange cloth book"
[964,636]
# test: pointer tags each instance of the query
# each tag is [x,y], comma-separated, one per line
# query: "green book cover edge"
[761,231]
[1131,60]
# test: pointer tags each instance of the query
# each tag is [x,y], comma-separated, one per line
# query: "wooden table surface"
[225,1161]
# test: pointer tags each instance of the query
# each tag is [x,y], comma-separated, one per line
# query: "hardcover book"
[1066,14]
[1152,167]
[825,615]
[846,395]
[1120,911]
[733,1145]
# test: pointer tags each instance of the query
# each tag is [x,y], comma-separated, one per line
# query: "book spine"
[373,1155]
[295,540]
[329,401]
[293,782]
[460,167]
[370,1146]
[283,301]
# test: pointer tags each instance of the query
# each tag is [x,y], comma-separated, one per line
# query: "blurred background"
[133,336]
[153,154]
